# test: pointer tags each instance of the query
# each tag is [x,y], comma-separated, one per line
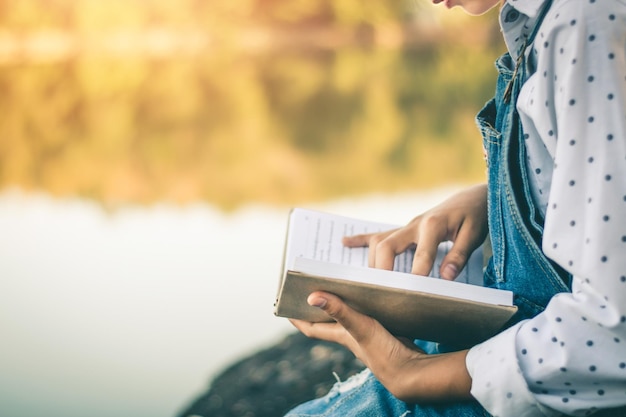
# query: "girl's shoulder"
[585,16]
[587,10]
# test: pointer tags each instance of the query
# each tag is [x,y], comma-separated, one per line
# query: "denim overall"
[518,263]
[515,223]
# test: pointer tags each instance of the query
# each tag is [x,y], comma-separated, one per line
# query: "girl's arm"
[408,373]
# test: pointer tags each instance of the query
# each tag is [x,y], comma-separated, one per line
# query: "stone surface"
[272,381]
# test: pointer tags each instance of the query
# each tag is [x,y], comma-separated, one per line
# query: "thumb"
[359,326]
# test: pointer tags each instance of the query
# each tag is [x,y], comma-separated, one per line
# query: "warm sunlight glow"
[230,102]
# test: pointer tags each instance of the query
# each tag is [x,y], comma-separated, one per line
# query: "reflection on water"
[129,313]
[276,127]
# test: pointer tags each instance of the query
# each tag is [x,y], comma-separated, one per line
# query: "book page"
[317,236]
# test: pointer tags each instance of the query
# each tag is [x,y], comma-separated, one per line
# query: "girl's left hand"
[406,371]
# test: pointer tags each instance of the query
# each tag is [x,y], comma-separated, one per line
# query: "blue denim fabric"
[363,396]
[515,223]
[518,263]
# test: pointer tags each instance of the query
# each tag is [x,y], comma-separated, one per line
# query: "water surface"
[130,312]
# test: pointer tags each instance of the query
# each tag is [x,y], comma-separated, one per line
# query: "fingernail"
[449,272]
[317,302]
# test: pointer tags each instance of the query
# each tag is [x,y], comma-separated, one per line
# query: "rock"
[274,380]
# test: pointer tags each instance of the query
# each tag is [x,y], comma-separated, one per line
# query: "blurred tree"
[307,111]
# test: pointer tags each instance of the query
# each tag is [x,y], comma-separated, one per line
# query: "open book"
[459,313]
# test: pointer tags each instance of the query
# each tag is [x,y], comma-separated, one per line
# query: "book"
[459,313]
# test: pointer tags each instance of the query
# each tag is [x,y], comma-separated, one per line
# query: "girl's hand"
[407,372]
[462,219]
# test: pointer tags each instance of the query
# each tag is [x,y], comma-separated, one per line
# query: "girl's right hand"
[462,219]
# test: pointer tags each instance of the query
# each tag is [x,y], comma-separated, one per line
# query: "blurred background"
[150,151]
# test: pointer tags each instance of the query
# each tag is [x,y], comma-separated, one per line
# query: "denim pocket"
[486,121]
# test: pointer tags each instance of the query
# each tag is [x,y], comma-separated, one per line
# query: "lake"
[131,312]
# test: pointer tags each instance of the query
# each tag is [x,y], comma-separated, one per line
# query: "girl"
[555,209]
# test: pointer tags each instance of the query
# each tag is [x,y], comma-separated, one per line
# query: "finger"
[384,254]
[330,332]
[357,241]
[370,240]
[375,240]
[464,244]
[361,328]
[365,239]
[426,251]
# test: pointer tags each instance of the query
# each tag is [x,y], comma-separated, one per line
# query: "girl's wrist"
[434,378]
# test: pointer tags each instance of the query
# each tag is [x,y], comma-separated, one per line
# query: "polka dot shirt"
[572,357]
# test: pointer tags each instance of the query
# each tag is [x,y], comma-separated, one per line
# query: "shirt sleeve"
[572,357]
[497,380]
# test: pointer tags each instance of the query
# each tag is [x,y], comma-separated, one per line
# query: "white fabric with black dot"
[571,358]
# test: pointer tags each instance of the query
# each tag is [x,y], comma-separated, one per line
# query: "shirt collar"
[517,18]
[530,8]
